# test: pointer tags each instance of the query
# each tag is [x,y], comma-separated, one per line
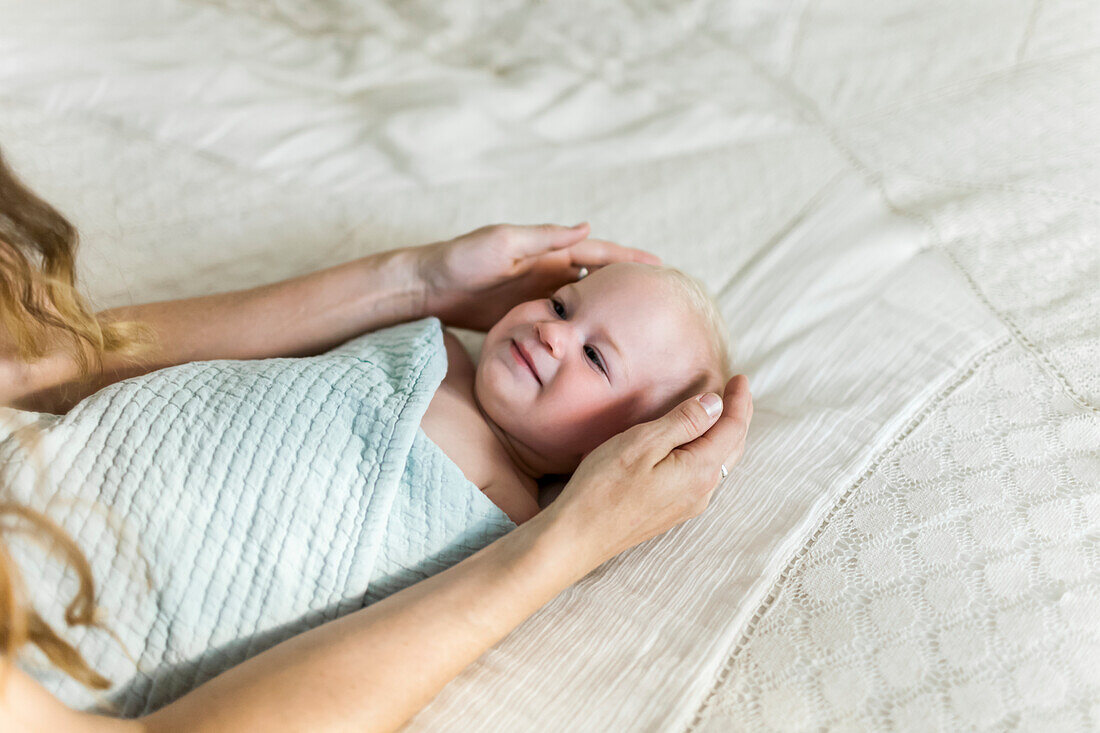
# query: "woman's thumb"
[688,420]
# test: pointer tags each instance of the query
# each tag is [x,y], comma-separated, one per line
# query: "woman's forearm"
[301,316]
[374,669]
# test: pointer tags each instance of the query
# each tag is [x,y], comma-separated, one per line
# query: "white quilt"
[896,202]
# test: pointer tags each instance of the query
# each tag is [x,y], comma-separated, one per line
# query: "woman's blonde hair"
[40,305]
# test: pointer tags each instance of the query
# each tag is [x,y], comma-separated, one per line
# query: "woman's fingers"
[598,252]
[531,241]
[725,440]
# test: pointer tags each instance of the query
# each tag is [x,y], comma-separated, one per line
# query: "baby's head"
[622,346]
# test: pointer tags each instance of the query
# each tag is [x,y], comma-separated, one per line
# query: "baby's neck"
[528,464]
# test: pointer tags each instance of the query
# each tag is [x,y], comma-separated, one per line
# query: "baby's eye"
[595,357]
[556,305]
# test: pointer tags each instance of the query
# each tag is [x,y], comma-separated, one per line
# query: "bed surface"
[896,203]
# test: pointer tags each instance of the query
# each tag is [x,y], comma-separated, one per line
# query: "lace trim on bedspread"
[955,585]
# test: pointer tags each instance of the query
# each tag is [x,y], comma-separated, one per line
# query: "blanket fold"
[227,505]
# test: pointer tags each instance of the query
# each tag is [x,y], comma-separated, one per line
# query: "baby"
[559,376]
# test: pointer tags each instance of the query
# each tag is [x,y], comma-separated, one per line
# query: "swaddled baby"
[560,375]
[264,496]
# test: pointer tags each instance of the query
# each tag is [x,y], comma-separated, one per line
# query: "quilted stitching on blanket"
[226,505]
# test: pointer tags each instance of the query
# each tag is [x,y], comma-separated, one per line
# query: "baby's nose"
[555,335]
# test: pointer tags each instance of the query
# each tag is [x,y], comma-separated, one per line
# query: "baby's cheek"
[609,422]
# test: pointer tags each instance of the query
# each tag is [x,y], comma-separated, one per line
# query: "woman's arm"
[301,316]
[374,669]
[371,670]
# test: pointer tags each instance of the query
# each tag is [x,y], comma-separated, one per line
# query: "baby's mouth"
[519,355]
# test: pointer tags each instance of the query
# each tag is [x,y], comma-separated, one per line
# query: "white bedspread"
[897,203]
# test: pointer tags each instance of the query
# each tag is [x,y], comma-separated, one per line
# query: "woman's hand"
[653,476]
[471,281]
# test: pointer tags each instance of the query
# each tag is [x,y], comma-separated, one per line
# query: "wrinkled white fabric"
[887,198]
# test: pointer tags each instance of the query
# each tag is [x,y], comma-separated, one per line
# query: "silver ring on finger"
[582,273]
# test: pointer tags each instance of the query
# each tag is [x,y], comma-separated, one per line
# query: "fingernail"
[578,226]
[712,403]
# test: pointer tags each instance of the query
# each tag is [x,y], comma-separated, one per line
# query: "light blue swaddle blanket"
[227,505]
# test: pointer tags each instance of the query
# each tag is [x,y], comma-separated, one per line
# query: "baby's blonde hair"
[700,300]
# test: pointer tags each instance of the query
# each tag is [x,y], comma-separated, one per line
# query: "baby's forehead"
[640,284]
[637,289]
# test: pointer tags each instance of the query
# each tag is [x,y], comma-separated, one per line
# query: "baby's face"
[606,352]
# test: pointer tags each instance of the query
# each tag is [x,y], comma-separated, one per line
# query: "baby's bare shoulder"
[512,498]
[459,363]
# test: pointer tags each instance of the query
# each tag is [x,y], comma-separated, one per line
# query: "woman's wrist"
[392,286]
[426,268]
[559,544]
